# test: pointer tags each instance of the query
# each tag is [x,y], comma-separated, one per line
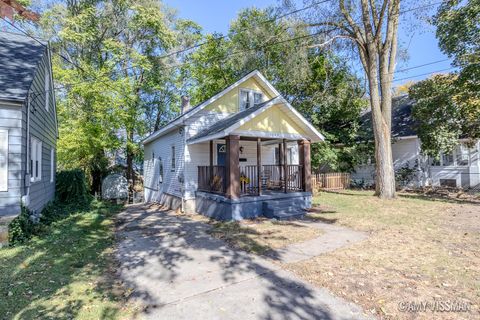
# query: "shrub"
[52,212]
[71,186]
[21,228]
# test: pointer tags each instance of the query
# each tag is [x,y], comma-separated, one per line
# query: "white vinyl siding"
[36,160]
[3,160]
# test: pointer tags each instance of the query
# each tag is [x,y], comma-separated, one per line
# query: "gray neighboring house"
[459,168]
[28,126]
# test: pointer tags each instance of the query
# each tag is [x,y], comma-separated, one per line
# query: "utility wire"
[239,51]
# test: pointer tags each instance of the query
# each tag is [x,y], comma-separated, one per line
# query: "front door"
[221,154]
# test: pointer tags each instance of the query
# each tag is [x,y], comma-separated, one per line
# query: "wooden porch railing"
[212,179]
[330,181]
[248,180]
[273,178]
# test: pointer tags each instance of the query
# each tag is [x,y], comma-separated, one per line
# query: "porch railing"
[272,178]
[212,179]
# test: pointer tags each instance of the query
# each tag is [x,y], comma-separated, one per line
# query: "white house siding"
[161,148]
[43,127]
[409,151]
[11,121]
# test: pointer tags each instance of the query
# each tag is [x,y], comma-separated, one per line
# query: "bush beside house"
[71,196]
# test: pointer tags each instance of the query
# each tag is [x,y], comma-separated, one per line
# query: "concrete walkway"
[177,271]
[334,237]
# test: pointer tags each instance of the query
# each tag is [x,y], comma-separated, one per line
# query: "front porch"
[279,185]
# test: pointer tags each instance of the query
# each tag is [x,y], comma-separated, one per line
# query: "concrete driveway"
[177,271]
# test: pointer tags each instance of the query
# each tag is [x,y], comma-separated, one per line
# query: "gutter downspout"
[184,154]
[26,197]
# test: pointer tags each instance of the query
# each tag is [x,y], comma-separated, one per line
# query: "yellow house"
[243,153]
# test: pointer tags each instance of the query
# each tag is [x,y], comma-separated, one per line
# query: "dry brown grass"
[261,236]
[418,250]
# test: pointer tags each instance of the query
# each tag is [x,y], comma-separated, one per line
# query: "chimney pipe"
[185,104]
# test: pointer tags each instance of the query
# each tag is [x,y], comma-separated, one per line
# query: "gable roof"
[403,124]
[224,124]
[230,124]
[180,119]
[19,58]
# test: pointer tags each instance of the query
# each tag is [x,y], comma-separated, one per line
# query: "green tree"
[117,84]
[448,106]
[319,85]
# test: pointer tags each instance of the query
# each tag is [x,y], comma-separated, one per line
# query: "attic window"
[248,98]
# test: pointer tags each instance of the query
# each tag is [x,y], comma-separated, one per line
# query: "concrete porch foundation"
[247,207]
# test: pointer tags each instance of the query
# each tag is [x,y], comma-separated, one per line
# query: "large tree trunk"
[376,40]
[381,123]
[130,171]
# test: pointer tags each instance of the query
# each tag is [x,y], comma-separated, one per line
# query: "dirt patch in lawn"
[418,250]
[261,236]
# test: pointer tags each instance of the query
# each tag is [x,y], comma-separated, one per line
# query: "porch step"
[283,210]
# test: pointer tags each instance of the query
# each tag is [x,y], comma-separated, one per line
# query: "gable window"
[3,160]
[248,98]
[36,160]
[52,165]
[47,89]
[173,158]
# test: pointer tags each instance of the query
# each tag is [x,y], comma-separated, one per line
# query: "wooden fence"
[330,181]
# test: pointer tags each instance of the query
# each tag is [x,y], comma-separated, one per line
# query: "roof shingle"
[19,57]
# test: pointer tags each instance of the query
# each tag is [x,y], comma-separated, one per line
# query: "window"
[173,158]
[277,156]
[289,155]
[47,89]
[447,159]
[248,98]
[462,155]
[3,160]
[160,170]
[52,165]
[36,160]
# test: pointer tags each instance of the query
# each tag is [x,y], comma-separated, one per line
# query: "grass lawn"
[61,275]
[259,236]
[419,249]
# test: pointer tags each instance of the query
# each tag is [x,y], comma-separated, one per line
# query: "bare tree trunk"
[376,39]
[130,171]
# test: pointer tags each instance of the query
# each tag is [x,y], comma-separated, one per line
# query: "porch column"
[233,168]
[285,168]
[259,165]
[304,161]
[210,174]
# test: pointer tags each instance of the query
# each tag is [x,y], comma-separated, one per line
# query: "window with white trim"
[173,158]
[35,159]
[462,155]
[52,165]
[47,89]
[248,98]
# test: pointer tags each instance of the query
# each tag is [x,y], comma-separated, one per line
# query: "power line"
[224,57]
[245,29]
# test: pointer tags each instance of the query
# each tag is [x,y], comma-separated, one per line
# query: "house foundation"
[223,208]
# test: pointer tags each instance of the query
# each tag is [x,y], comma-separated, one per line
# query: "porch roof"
[229,125]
